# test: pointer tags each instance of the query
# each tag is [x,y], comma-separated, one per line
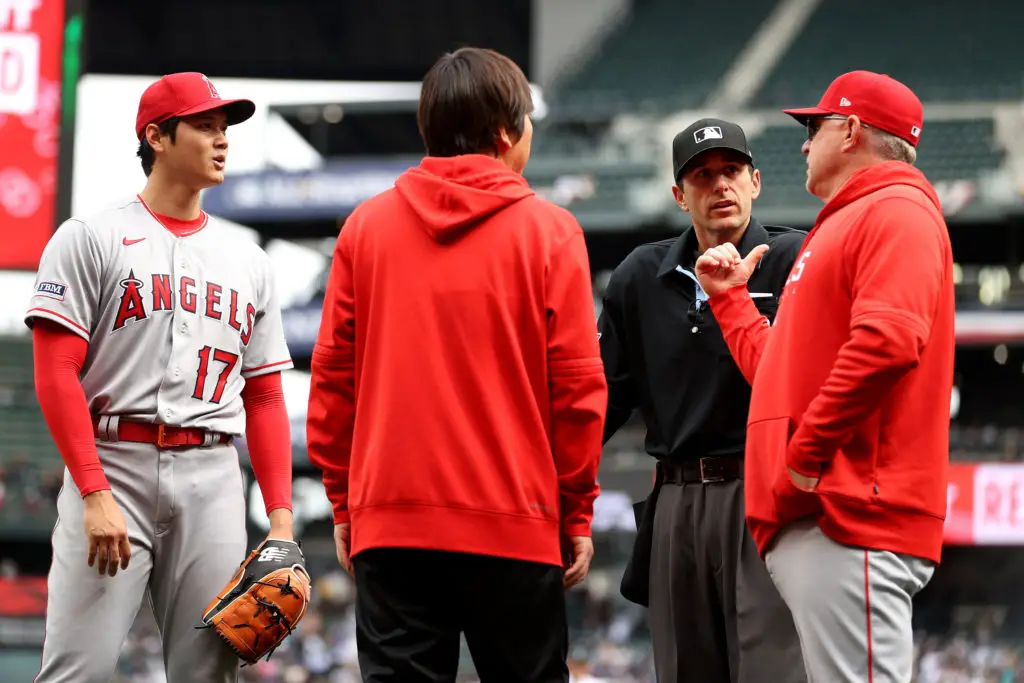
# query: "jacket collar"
[682,251]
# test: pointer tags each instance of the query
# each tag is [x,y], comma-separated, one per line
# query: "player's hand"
[802,481]
[721,268]
[582,552]
[342,536]
[106,533]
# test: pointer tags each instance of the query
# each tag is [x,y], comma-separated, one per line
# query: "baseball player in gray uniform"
[173,331]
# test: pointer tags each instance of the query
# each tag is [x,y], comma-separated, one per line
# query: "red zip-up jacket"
[458,394]
[853,382]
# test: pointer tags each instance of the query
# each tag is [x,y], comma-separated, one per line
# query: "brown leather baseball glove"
[263,602]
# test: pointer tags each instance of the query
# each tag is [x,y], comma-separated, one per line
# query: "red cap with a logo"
[876,99]
[184,94]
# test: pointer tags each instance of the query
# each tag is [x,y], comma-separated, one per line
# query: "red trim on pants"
[867,603]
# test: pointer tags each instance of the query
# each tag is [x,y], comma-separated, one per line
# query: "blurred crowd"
[959,659]
[610,644]
[28,491]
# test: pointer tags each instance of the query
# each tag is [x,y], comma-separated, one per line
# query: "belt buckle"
[707,479]
[160,442]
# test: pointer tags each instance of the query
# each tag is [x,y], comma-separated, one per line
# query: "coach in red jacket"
[458,396]
[847,441]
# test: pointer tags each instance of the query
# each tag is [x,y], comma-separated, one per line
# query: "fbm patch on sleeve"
[53,290]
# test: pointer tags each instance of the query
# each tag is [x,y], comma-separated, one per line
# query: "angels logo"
[213,90]
[131,307]
[168,294]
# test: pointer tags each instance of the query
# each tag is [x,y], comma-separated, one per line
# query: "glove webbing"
[277,615]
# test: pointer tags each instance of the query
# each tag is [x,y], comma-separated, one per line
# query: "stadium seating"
[663,58]
[783,167]
[21,422]
[601,194]
[958,150]
[30,466]
[945,51]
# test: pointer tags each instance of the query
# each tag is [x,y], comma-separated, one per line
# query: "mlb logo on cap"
[703,136]
[708,133]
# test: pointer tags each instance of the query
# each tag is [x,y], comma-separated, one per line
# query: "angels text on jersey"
[215,302]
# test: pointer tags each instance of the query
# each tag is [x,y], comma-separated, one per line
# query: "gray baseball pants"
[852,607]
[185,511]
[715,615]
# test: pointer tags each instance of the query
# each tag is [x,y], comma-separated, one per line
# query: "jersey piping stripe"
[69,321]
[264,367]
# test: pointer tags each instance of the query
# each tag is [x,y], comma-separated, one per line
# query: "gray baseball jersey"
[174,324]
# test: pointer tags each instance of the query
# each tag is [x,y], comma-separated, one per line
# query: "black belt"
[704,470]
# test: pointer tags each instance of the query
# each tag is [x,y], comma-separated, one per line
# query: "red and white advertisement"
[31,37]
[985,504]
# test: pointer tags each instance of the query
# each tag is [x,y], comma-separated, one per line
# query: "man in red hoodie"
[847,437]
[458,396]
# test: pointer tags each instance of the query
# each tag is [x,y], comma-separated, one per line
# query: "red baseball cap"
[183,94]
[876,99]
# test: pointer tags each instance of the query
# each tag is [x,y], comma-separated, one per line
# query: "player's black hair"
[467,97]
[146,153]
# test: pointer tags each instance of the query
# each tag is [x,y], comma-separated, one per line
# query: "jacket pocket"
[765,456]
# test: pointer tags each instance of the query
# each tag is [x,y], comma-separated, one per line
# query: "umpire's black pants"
[412,606]
[715,614]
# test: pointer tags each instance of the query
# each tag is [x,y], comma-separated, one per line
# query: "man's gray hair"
[891,147]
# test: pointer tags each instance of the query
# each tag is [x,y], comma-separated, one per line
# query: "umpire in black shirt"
[715,615]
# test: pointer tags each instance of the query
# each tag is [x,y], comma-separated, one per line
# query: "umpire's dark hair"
[467,97]
[146,153]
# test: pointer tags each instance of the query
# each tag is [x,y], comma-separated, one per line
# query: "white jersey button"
[168,413]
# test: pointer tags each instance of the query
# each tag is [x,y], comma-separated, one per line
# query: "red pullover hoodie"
[458,395]
[852,383]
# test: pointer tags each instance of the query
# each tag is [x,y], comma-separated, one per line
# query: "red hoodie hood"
[451,195]
[877,177]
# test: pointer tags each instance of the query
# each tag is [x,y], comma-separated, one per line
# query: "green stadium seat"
[663,58]
[945,51]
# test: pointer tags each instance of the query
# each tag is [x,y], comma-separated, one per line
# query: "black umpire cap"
[703,135]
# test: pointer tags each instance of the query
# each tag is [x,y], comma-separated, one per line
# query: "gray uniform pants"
[185,511]
[852,606]
[715,615]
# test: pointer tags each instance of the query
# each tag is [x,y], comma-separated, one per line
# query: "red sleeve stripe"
[61,318]
[249,371]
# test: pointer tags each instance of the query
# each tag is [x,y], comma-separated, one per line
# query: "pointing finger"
[755,255]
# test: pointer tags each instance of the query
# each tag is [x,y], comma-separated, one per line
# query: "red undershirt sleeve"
[58,356]
[268,438]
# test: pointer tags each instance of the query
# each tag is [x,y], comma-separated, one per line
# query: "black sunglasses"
[814,124]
